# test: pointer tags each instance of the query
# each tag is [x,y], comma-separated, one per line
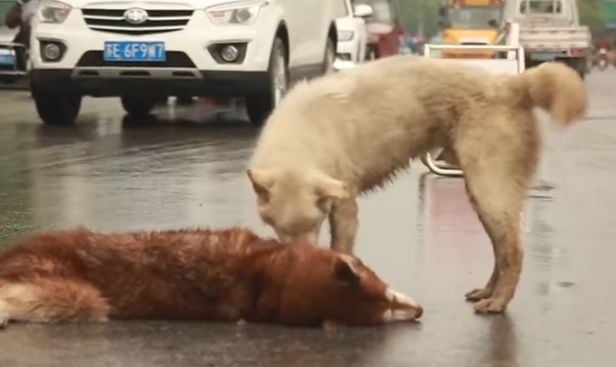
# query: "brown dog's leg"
[46,300]
[343,223]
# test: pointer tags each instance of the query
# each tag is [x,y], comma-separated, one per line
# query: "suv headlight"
[52,11]
[236,12]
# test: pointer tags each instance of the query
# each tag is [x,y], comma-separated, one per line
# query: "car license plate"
[135,51]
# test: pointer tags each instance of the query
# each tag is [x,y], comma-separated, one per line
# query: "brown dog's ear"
[344,271]
[330,188]
[262,181]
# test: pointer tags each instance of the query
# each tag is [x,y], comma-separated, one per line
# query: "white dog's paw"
[491,306]
[478,294]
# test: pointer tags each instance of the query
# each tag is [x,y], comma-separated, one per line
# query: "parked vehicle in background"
[384,31]
[352,33]
[470,22]
[143,51]
[13,55]
[550,30]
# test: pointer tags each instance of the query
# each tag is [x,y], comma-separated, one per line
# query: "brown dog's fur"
[348,133]
[223,275]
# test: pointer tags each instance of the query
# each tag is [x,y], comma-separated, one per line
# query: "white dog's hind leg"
[343,222]
[498,170]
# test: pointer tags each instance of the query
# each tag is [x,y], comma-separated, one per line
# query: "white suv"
[143,51]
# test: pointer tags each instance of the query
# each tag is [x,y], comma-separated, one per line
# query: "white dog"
[347,133]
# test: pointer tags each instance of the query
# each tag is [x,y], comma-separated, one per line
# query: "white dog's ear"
[262,181]
[328,187]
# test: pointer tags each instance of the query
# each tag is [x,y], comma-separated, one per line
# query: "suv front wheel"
[56,108]
[330,56]
[260,105]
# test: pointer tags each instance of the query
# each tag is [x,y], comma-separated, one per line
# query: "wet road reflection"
[187,169]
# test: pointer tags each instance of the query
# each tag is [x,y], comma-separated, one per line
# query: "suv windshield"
[475,17]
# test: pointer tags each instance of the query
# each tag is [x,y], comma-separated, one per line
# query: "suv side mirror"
[363,10]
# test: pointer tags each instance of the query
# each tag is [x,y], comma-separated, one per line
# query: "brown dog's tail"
[556,88]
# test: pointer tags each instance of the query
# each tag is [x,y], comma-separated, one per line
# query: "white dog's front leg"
[343,222]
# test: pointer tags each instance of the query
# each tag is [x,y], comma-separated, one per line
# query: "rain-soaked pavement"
[420,235]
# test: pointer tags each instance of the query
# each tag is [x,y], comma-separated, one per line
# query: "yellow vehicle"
[470,22]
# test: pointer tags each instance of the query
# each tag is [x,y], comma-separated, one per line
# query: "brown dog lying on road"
[348,133]
[225,275]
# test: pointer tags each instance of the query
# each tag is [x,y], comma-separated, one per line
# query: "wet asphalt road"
[187,169]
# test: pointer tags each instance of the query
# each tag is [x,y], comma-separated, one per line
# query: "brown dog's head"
[308,285]
[295,203]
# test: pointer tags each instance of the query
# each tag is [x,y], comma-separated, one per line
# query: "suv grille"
[158,21]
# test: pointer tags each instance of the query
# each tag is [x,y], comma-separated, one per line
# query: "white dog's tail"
[556,88]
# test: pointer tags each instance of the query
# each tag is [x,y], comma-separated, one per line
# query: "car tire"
[260,105]
[60,109]
[330,56]
[138,106]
